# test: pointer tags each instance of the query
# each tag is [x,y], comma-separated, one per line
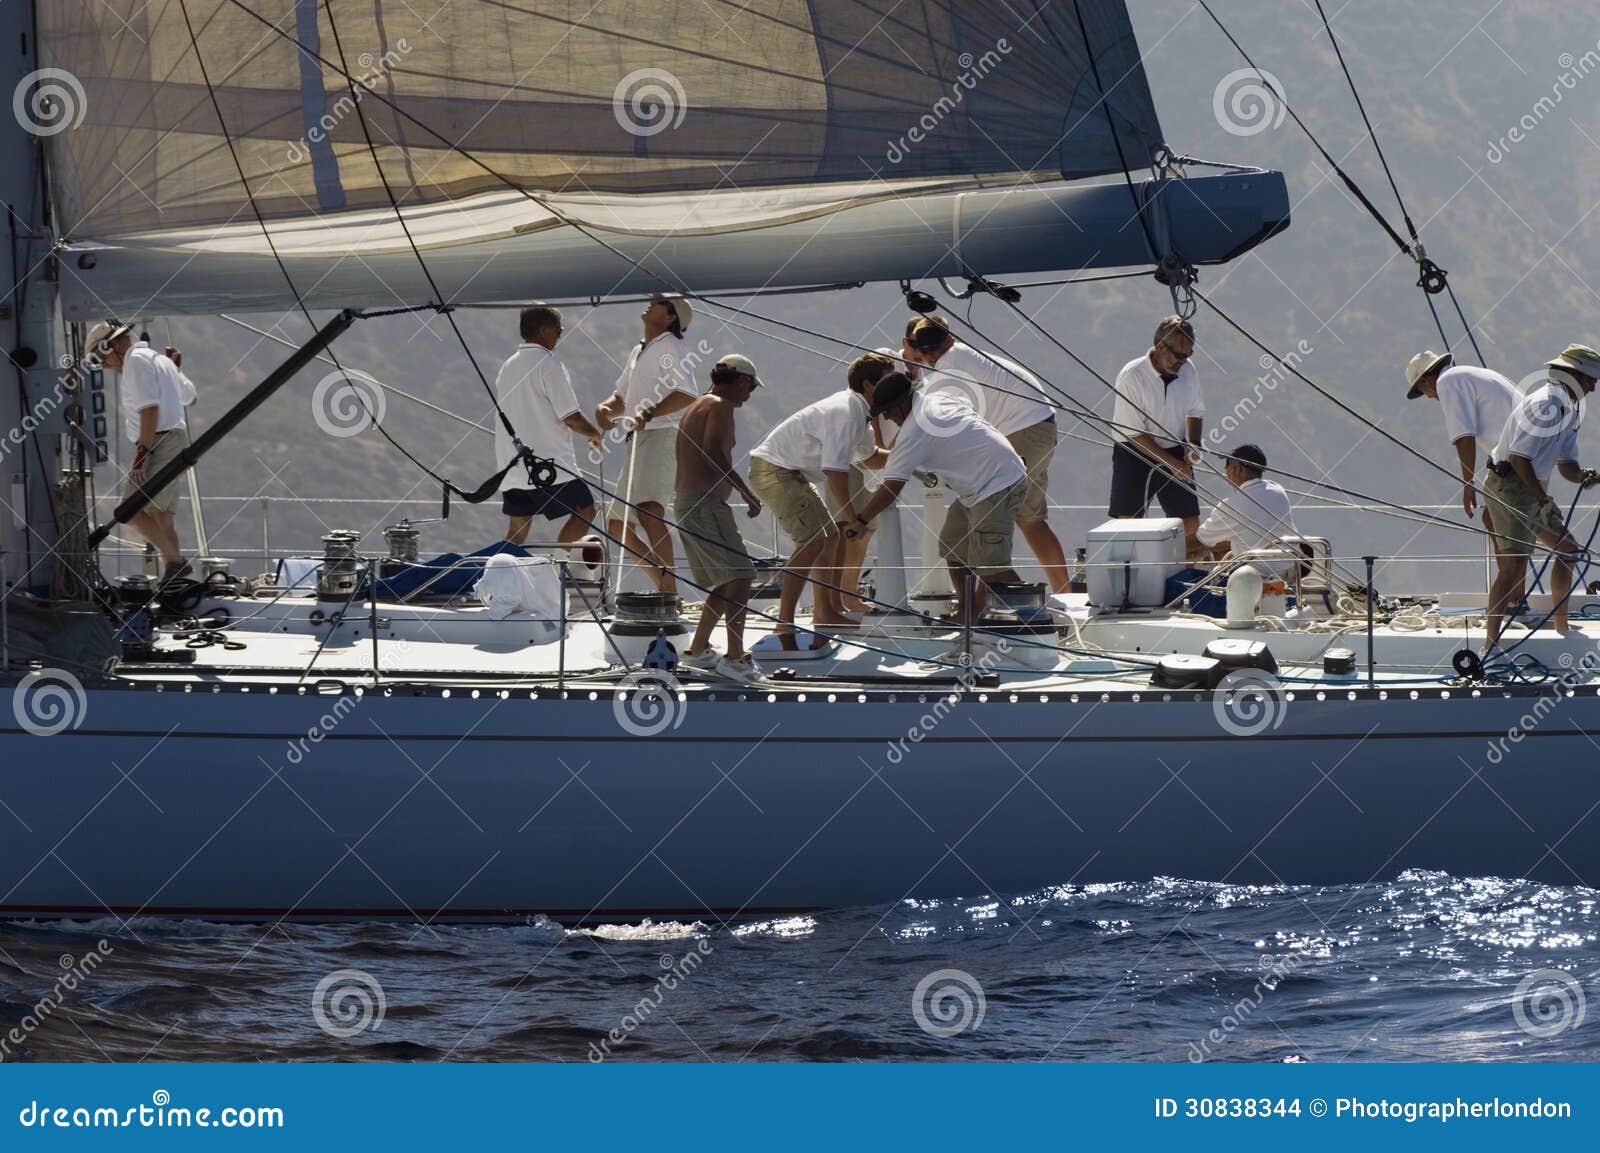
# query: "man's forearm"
[1196,427]
[671,403]
[1467,454]
[147,426]
[839,486]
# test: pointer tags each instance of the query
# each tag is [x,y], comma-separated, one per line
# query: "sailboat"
[366,739]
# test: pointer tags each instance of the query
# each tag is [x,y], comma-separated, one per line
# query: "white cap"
[734,362]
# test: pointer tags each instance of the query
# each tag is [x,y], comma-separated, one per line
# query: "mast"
[33,395]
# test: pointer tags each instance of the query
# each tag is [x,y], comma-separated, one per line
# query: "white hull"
[427,807]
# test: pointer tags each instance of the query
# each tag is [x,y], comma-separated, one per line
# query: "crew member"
[651,394]
[1540,436]
[535,392]
[1255,515]
[711,542]
[1476,403]
[942,435]
[153,392]
[1010,398]
[1156,424]
[829,437]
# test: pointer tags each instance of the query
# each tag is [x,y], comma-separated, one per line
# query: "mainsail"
[490,120]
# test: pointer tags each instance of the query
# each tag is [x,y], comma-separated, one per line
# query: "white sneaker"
[743,671]
[707,663]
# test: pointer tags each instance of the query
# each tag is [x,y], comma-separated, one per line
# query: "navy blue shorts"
[1135,479]
[551,503]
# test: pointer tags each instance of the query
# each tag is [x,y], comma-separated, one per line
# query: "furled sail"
[499,125]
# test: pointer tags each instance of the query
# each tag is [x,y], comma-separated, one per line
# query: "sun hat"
[1421,365]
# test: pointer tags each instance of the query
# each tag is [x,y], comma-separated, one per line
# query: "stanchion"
[1371,596]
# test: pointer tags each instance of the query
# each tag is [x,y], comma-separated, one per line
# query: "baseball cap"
[734,362]
[680,305]
[890,391]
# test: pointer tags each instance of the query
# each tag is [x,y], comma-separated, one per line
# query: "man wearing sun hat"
[1540,437]
[153,394]
[1476,403]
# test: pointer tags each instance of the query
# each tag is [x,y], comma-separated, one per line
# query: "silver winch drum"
[340,572]
[402,540]
[643,619]
[214,567]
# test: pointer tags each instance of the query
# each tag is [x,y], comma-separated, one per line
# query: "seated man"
[829,437]
[942,435]
[1255,515]
[711,540]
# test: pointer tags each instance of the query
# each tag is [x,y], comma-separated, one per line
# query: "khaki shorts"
[795,504]
[978,536]
[168,446]
[654,471]
[858,493]
[1036,444]
[711,541]
[1511,514]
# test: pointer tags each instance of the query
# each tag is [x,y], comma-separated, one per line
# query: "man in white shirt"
[829,437]
[153,394]
[535,392]
[1255,515]
[1156,424]
[1476,403]
[1009,397]
[942,435]
[653,390]
[1540,437]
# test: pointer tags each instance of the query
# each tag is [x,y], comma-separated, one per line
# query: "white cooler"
[1130,561]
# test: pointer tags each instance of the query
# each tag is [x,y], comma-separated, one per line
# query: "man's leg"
[1510,580]
[1046,547]
[164,536]
[794,580]
[851,555]
[736,593]
[710,612]
[1562,547]
[637,551]
[577,525]
[660,546]
[517,530]
[828,602]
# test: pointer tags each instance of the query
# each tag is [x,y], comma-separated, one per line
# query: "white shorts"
[654,454]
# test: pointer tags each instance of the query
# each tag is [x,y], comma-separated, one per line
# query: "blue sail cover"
[752,102]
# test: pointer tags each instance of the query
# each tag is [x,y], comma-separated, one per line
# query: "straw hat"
[1421,365]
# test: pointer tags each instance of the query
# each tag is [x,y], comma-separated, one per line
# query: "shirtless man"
[711,541]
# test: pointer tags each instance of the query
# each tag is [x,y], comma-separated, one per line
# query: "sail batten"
[616,98]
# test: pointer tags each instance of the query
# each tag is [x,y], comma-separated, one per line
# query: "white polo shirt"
[1476,403]
[1543,428]
[1140,391]
[1254,515]
[652,372]
[830,435]
[971,457]
[535,390]
[1002,392]
[151,380]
